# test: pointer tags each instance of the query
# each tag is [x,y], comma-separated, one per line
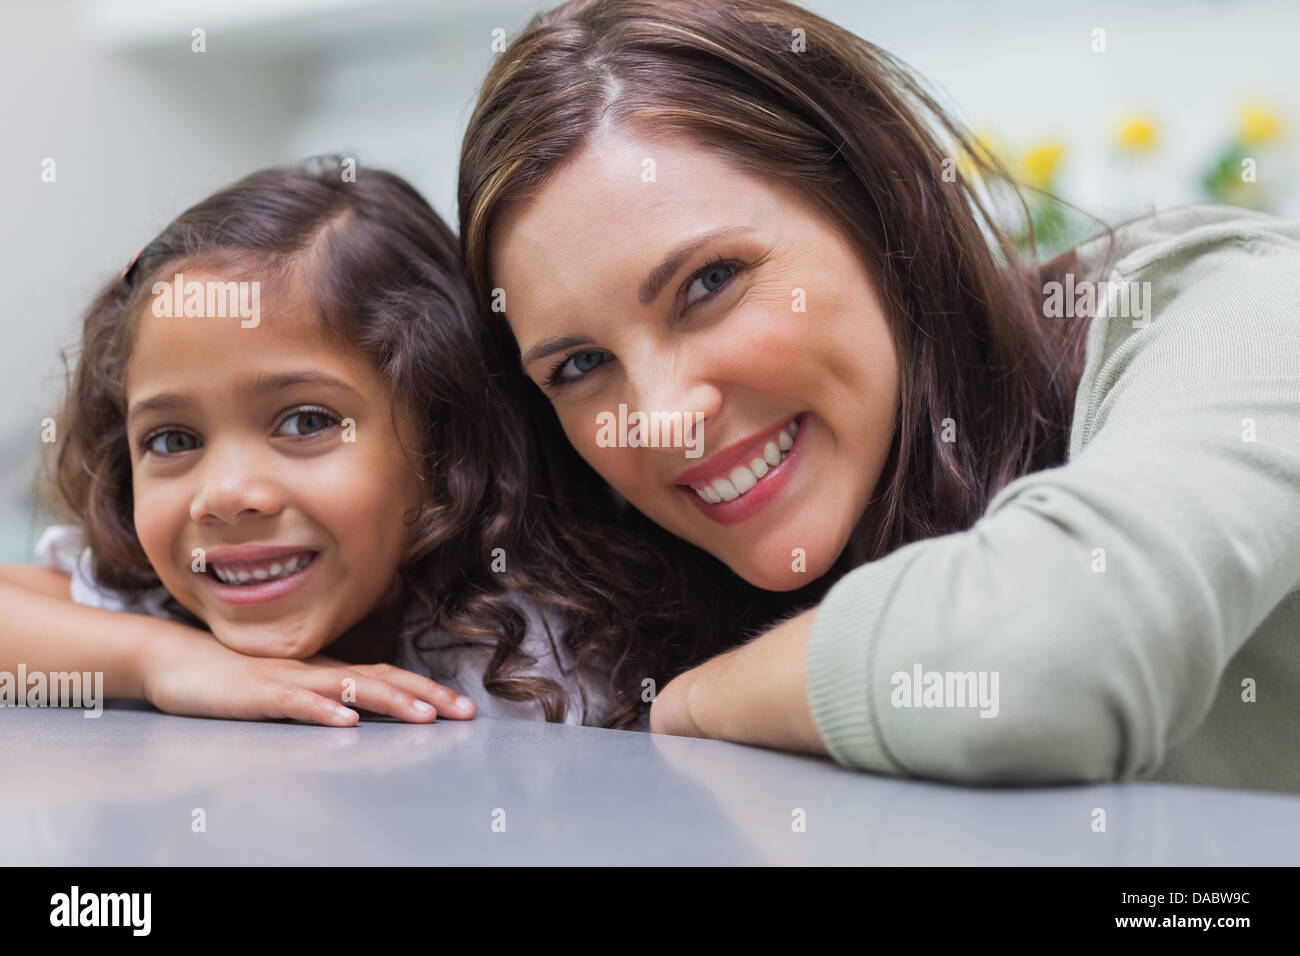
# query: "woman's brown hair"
[382,272]
[787,95]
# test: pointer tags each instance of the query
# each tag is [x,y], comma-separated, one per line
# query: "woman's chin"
[791,578]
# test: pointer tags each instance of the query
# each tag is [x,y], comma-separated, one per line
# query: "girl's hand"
[196,675]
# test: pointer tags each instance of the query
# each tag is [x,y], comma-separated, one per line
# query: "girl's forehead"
[220,349]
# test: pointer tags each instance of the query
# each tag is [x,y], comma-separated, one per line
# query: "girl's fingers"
[299,703]
[446,700]
[361,690]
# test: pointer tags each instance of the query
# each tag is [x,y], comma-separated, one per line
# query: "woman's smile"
[739,480]
[788,362]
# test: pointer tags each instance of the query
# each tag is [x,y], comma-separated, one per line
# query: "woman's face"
[652,274]
[271,452]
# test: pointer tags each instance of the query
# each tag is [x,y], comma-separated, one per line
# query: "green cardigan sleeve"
[1098,601]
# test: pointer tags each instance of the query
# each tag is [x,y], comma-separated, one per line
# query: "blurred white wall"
[140,126]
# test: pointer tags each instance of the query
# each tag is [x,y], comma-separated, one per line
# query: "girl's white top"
[461,668]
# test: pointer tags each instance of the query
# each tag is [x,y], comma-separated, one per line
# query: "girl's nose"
[234,483]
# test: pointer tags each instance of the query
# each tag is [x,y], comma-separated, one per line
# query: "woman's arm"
[753,694]
[1082,626]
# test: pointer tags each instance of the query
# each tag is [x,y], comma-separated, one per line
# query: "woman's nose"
[675,381]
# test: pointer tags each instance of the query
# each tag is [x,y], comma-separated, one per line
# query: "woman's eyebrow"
[257,385]
[659,276]
[550,347]
[650,289]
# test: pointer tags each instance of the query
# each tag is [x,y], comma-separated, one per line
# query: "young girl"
[282,437]
[1061,539]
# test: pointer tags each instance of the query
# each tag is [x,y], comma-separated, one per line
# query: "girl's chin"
[264,641]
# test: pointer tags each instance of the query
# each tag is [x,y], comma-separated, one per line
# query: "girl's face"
[240,448]
[653,274]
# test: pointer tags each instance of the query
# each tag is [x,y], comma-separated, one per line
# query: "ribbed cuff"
[841,651]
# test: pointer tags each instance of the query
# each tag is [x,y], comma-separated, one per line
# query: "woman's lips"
[776,478]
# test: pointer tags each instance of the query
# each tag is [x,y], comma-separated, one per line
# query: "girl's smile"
[255,574]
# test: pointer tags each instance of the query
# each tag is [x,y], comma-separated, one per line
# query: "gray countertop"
[124,788]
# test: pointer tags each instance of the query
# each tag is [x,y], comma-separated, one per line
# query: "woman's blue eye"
[310,421]
[582,362]
[572,369]
[712,278]
[170,445]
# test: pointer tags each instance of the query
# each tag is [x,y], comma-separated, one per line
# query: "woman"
[1074,541]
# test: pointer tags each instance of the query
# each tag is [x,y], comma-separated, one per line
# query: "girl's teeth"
[275,570]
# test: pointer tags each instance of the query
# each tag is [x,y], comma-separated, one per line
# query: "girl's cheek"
[156,524]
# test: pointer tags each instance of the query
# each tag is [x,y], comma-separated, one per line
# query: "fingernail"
[463,703]
[423,706]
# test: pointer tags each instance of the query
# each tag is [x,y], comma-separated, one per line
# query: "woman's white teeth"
[745,477]
[268,572]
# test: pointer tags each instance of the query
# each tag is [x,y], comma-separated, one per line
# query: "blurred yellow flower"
[1136,133]
[1259,124]
[1040,163]
[985,146]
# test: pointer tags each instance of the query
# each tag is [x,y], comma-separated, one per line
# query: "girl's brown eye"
[309,422]
[171,442]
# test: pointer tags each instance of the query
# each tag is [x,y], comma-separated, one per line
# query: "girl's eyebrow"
[257,385]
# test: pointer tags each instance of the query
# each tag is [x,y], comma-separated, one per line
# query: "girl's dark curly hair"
[382,271]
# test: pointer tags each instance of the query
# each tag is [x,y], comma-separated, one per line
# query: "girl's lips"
[263,591]
[734,512]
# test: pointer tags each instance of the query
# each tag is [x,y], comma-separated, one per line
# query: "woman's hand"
[752,694]
[196,675]
[671,711]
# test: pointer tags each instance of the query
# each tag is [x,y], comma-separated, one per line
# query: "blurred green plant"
[1035,172]
[1231,177]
